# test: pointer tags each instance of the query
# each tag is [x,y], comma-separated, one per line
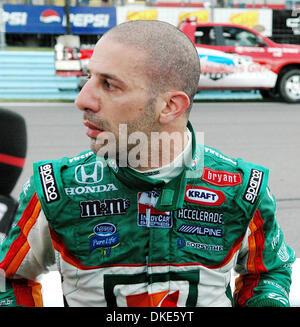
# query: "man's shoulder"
[50,177]
[246,181]
[68,161]
[218,160]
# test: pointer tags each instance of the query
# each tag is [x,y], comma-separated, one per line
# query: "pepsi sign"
[49,16]
[52,19]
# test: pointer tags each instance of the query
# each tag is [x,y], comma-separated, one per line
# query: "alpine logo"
[201,230]
[48,183]
[202,195]
[91,173]
[221,178]
[253,186]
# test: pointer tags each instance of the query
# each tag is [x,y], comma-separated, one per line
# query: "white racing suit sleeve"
[26,253]
[264,261]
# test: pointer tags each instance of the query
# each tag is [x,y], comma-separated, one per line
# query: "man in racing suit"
[168,235]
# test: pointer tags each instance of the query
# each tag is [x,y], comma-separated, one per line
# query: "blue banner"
[52,19]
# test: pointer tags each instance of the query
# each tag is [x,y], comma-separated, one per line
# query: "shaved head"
[172,61]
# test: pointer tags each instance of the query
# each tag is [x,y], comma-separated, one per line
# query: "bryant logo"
[221,178]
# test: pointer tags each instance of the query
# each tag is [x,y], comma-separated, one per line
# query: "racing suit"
[119,238]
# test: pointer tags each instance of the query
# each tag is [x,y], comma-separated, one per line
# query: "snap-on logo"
[221,177]
[203,195]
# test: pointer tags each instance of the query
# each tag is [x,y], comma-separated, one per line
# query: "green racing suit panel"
[122,239]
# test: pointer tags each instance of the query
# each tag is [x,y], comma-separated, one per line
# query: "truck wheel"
[289,86]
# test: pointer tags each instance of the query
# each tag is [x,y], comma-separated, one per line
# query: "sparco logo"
[106,207]
[48,183]
[91,173]
[253,186]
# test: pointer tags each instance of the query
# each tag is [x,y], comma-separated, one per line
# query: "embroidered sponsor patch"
[90,189]
[200,215]
[253,186]
[148,216]
[201,230]
[48,183]
[181,243]
[203,195]
[106,207]
[221,177]
[91,173]
[106,236]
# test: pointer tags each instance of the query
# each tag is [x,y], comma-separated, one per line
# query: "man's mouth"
[92,130]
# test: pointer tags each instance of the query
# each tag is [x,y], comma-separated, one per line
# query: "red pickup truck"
[270,67]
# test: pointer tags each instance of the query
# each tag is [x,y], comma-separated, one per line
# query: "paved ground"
[266,133]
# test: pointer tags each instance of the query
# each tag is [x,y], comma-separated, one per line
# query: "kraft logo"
[50,16]
[205,196]
[91,173]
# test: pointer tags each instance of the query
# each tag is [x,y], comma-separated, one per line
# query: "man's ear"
[175,104]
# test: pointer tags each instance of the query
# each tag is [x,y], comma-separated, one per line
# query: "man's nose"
[86,99]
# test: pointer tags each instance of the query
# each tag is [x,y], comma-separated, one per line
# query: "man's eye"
[107,85]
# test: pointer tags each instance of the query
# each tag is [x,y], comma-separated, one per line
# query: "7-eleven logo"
[172,289]
[159,299]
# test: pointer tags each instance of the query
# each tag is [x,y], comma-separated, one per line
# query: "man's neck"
[163,148]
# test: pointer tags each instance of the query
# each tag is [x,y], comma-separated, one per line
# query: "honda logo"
[90,173]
